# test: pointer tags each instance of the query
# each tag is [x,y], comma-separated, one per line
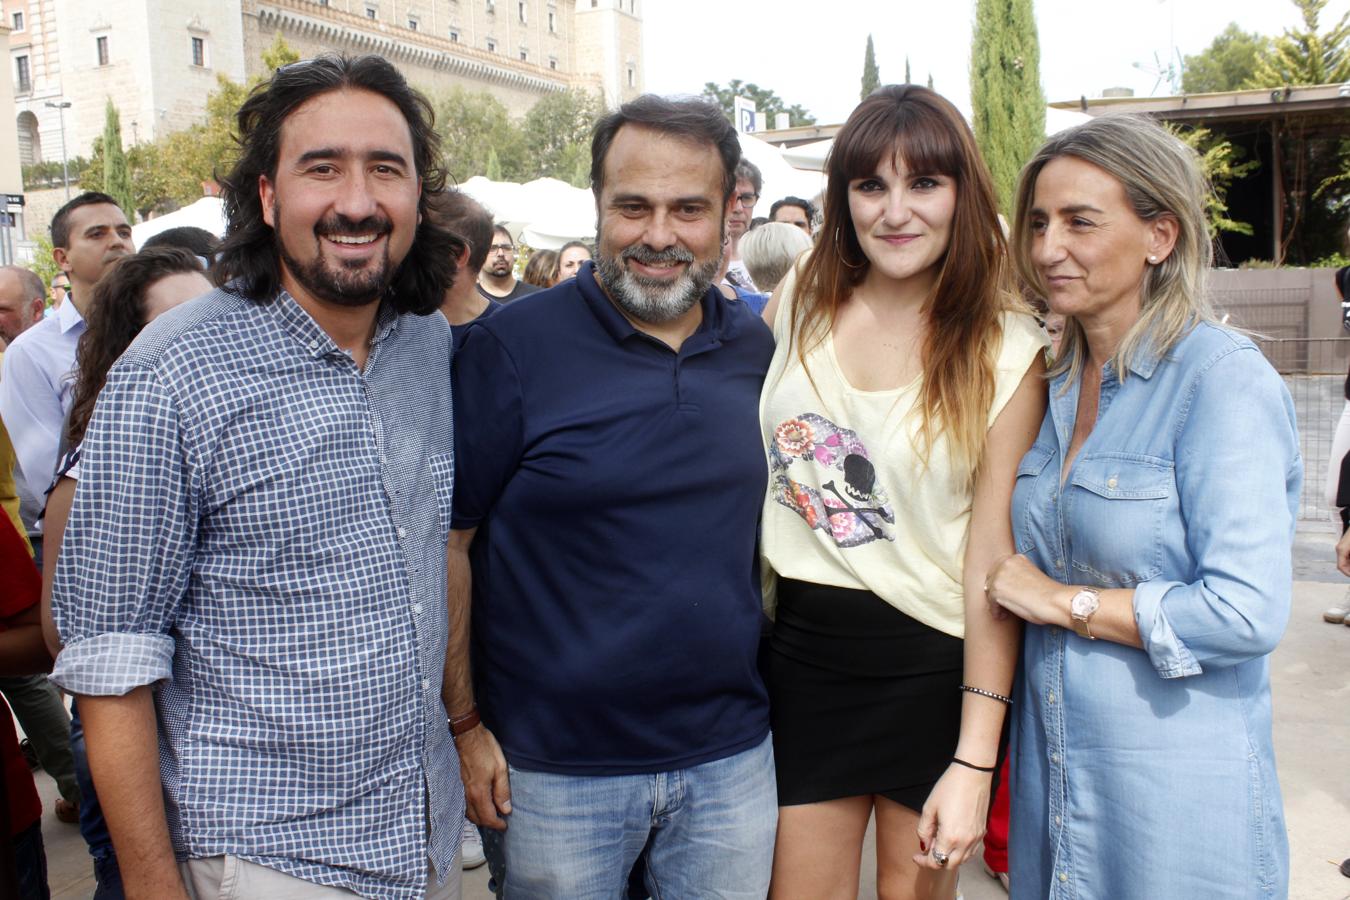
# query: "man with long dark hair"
[251,591]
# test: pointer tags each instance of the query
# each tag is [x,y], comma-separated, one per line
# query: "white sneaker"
[471,847]
[1340,613]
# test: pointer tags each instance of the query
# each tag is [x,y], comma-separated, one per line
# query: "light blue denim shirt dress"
[1150,774]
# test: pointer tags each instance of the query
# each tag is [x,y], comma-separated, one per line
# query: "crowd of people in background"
[373,545]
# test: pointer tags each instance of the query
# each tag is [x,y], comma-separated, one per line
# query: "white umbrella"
[780,178]
[545,213]
[207,213]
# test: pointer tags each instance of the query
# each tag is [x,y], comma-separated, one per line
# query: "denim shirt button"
[1059,564]
[1063,876]
[1112,482]
[1052,697]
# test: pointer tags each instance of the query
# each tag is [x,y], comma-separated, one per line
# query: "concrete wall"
[1297,313]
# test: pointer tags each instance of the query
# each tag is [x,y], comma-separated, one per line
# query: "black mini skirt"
[863,698]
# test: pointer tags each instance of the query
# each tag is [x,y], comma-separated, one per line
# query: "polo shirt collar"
[715,325]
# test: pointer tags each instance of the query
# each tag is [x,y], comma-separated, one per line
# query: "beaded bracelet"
[990,694]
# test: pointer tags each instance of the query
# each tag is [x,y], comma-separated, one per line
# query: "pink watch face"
[1084,604]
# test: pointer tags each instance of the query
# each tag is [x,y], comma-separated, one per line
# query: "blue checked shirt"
[259,532]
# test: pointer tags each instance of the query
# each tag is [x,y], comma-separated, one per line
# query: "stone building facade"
[159,59]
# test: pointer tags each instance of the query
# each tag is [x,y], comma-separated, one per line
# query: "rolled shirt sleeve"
[126,556]
[1238,476]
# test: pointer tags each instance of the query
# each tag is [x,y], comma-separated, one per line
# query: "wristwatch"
[1081,609]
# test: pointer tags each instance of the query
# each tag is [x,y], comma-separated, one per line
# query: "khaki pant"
[231,878]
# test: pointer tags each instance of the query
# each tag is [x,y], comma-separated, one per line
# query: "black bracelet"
[961,762]
[990,694]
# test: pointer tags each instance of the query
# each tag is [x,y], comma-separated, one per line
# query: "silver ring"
[939,857]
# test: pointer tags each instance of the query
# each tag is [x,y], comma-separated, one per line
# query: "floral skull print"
[849,505]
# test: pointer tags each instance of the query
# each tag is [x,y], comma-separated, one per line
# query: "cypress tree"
[1005,90]
[116,172]
[871,77]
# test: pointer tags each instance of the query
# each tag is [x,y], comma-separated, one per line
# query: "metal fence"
[1314,370]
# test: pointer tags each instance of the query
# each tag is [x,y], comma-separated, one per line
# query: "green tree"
[1005,90]
[494,166]
[766,101]
[1306,56]
[1227,64]
[475,127]
[557,133]
[1222,165]
[43,264]
[116,172]
[871,77]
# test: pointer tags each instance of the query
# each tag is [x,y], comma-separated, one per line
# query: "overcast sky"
[811,51]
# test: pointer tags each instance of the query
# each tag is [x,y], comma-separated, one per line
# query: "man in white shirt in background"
[88,234]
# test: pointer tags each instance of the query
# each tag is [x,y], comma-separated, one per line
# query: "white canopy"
[545,213]
[781,179]
[812,156]
[207,213]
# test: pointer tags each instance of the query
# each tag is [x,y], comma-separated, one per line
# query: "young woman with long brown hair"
[905,388]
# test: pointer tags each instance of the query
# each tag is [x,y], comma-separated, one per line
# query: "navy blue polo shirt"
[616,486]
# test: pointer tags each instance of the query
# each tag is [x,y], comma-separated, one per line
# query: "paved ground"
[1311,674]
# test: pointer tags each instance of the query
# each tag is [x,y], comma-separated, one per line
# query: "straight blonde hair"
[1161,177]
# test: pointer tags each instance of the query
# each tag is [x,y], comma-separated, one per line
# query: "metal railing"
[1314,370]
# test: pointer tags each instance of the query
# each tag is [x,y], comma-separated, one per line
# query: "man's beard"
[500,269]
[651,300]
[353,283]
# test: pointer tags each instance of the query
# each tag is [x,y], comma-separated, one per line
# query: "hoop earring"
[839,252]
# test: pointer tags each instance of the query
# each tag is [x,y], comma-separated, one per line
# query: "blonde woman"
[1154,517]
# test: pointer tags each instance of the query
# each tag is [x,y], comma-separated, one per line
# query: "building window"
[101,47]
[17,19]
[23,80]
[553,64]
[199,51]
[491,45]
[632,77]
[520,10]
[454,36]
[412,24]
[370,12]
[524,56]
[491,7]
[552,22]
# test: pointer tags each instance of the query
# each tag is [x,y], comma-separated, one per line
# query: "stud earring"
[1153,259]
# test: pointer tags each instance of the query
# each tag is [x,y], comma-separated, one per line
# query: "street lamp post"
[65,172]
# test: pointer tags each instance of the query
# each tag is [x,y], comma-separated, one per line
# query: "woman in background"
[131,293]
[542,269]
[570,257]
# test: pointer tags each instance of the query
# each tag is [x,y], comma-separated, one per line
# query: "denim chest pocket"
[1114,517]
[1026,494]
[443,477]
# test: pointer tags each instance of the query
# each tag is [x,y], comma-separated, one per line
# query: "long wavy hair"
[973,287]
[1161,177]
[248,262]
[116,315]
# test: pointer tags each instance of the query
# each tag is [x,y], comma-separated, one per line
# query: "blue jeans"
[31,861]
[711,830]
